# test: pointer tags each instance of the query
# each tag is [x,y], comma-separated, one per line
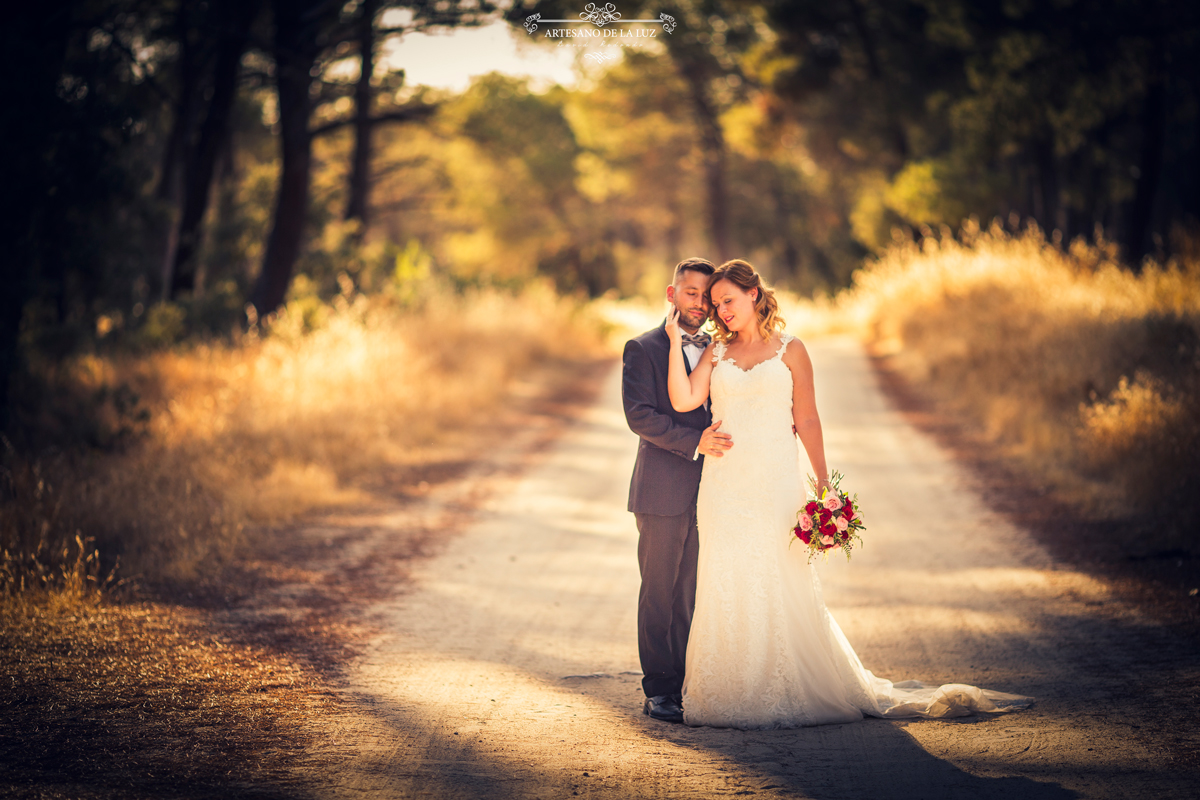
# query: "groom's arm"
[641,406]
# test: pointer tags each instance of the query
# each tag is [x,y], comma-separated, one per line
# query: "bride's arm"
[804,409]
[686,391]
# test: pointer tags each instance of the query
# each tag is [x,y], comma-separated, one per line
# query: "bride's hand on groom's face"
[672,327]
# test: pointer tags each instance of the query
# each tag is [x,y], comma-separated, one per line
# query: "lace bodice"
[756,401]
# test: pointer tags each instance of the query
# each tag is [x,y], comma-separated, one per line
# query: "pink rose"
[806,523]
[827,540]
[842,524]
[833,502]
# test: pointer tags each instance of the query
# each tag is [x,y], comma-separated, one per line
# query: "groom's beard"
[692,319]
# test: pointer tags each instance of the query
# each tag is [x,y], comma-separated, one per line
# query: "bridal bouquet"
[830,521]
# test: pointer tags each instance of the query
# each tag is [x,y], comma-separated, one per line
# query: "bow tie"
[699,339]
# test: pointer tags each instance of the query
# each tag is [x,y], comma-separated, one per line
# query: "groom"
[662,495]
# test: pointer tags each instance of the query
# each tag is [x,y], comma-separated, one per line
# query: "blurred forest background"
[224,221]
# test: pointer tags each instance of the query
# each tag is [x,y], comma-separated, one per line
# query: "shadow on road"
[871,759]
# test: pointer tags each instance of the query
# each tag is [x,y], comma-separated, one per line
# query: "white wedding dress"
[764,652]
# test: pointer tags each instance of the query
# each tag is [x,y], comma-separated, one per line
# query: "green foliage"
[939,191]
[304,303]
[414,268]
[1065,113]
[525,129]
[164,325]
[834,126]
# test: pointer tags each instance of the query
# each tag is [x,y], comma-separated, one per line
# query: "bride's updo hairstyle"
[745,277]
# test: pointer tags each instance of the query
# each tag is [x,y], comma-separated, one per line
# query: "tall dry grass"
[1085,373]
[242,435]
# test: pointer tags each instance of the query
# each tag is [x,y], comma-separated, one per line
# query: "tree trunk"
[1150,160]
[783,224]
[887,98]
[294,56]
[674,232]
[234,19]
[712,144]
[1045,198]
[33,43]
[178,146]
[360,173]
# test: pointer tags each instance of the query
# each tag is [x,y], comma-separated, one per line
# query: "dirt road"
[509,667]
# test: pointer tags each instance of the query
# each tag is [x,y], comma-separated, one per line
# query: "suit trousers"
[667,550]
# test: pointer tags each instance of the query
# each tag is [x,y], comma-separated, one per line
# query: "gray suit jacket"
[665,478]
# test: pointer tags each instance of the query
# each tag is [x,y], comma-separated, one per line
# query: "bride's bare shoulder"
[795,353]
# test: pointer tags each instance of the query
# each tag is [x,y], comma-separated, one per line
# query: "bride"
[764,652]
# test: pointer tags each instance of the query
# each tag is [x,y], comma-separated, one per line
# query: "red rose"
[803,536]
[825,514]
[811,506]
[849,515]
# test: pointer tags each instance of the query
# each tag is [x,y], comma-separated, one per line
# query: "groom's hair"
[701,265]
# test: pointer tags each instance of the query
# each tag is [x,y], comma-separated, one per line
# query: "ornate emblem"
[600,16]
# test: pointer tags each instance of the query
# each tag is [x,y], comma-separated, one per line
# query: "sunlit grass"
[1085,373]
[244,435]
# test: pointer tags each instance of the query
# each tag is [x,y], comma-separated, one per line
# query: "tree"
[641,146]
[360,179]
[231,28]
[79,154]
[1063,114]
[523,184]
[706,50]
[301,31]
[305,42]
[412,17]
[35,41]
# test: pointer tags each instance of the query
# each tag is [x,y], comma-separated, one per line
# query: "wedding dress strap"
[784,339]
[718,351]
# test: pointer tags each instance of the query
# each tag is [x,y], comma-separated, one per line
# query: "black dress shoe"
[663,707]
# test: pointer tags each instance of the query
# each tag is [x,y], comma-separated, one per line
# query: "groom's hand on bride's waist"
[714,442]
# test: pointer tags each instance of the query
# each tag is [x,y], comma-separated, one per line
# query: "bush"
[1084,372]
[235,436]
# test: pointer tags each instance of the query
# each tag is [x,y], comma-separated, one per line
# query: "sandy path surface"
[509,668]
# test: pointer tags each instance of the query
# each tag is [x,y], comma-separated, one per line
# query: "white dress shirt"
[692,353]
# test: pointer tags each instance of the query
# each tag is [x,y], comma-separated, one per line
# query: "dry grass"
[1083,372]
[146,700]
[224,680]
[245,435]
